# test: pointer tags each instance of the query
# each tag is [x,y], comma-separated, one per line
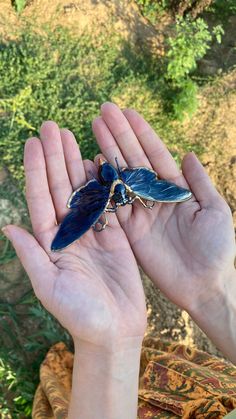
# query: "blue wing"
[87,204]
[144,183]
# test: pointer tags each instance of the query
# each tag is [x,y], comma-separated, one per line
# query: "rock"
[8,213]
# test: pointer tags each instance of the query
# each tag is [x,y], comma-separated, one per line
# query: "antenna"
[118,167]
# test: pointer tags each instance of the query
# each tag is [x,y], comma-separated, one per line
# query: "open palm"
[176,244]
[92,287]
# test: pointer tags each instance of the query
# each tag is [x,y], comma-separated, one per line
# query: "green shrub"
[152,8]
[189,44]
[185,101]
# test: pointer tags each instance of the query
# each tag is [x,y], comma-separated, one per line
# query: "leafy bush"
[152,8]
[184,101]
[189,44]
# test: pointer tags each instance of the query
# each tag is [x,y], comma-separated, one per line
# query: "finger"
[199,181]
[107,143]
[58,179]
[90,170]
[159,156]
[124,135]
[73,159]
[34,260]
[41,208]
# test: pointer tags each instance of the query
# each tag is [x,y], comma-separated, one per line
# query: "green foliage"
[18,389]
[188,45]
[185,101]
[53,76]
[218,31]
[60,77]
[20,360]
[223,9]
[152,8]
[19,5]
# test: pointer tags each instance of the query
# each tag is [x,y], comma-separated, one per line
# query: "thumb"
[199,181]
[34,259]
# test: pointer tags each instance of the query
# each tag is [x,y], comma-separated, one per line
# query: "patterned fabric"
[175,381]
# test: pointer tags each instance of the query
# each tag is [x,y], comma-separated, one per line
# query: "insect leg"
[145,203]
[113,208]
[131,199]
[151,205]
[102,222]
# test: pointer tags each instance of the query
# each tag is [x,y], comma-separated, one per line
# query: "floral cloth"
[175,381]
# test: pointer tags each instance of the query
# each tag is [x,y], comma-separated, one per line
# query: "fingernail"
[6,232]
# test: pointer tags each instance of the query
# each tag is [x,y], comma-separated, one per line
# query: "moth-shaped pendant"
[114,188]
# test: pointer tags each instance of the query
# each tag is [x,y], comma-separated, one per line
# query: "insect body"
[114,188]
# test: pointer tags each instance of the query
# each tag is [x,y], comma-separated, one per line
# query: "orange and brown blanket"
[175,381]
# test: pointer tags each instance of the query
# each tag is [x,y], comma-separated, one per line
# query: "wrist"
[220,293]
[109,366]
[111,363]
[111,347]
[105,382]
[215,314]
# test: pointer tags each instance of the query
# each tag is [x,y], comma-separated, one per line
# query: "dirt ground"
[213,126]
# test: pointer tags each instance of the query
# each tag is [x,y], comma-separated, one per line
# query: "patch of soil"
[87,16]
[213,125]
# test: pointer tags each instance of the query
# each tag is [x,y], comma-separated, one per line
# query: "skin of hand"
[188,248]
[93,287]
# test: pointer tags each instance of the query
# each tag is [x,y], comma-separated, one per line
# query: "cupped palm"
[183,247]
[92,287]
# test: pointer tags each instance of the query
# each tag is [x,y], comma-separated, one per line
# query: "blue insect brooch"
[112,189]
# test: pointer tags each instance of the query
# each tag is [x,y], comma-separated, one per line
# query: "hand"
[93,287]
[188,248]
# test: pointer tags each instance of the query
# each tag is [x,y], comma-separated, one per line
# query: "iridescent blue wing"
[144,183]
[87,204]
